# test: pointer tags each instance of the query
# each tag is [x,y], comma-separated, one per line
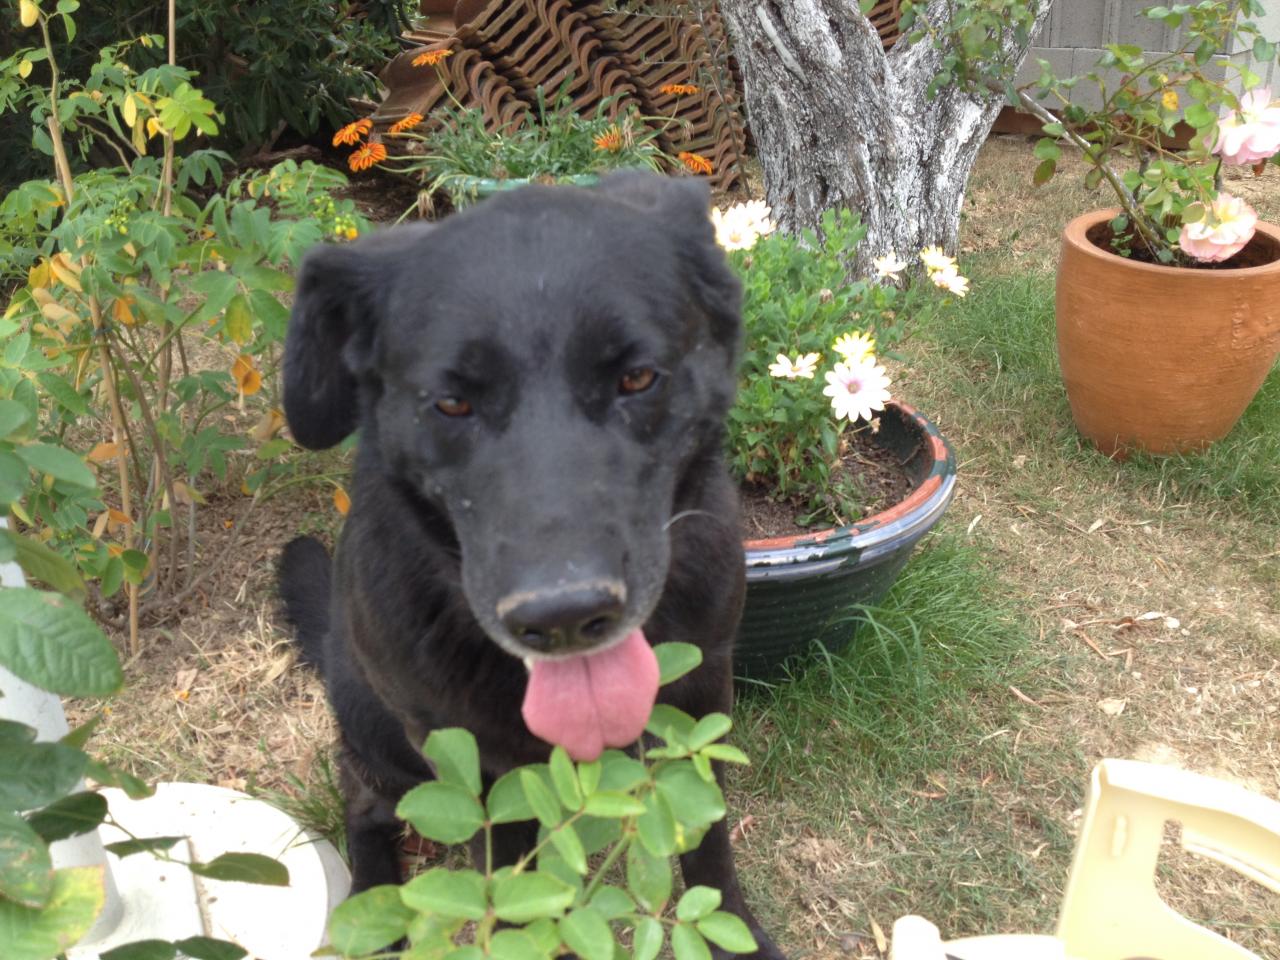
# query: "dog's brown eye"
[637,380]
[453,407]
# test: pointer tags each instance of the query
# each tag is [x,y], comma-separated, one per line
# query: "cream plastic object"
[1111,910]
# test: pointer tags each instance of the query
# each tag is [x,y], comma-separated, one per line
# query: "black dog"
[540,386]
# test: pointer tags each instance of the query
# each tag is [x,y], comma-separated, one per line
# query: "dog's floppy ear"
[340,298]
[683,204]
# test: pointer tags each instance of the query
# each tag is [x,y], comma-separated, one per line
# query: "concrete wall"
[1073,38]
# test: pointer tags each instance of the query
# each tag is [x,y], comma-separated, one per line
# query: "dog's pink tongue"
[597,700]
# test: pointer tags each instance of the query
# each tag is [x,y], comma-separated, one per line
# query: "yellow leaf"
[24,69]
[66,272]
[100,525]
[186,494]
[103,452]
[239,319]
[247,376]
[129,110]
[41,295]
[268,426]
[53,333]
[28,13]
[153,127]
[59,314]
[122,312]
[341,501]
[39,275]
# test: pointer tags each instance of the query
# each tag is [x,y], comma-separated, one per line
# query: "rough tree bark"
[840,122]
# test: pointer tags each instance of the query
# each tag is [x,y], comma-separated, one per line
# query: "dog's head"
[543,371]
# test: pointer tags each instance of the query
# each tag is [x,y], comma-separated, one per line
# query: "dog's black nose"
[564,619]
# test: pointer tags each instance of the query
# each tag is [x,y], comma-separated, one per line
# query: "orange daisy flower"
[431,57]
[678,89]
[367,156]
[610,140]
[696,163]
[407,123]
[352,133]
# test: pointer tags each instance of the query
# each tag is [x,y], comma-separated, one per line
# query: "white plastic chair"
[1111,910]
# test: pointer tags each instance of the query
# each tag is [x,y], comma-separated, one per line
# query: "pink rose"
[1224,230]
[1252,133]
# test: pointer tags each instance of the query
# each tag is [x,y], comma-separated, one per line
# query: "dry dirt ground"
[216,696]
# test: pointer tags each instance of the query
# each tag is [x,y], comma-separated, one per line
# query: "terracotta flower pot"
[1163,359]
[808,589]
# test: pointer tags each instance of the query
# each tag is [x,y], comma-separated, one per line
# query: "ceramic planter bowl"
[807,589]
[1163,359]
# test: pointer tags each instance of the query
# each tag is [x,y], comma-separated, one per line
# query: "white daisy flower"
[889,266]
[935,260]
[951,280]
[857,389]
[854,346]
[803,368]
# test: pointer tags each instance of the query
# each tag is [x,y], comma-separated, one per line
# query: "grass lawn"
[938,766]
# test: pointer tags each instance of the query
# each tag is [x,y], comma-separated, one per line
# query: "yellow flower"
[28,13]
[407,123]
[610,140]
[1169,99]
[854,346]
[935,260]
[352,133]
[678,89]
[695,162]
[431,57]
[366,156]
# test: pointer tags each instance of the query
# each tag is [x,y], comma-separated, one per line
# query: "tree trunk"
[840,122]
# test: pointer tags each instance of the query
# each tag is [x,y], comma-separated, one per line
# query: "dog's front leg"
[711,865]
[373,833]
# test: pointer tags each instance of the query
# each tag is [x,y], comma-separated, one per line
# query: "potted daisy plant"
[839,479]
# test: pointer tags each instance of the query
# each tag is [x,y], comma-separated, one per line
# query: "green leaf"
[647,941]
[648,878]
[725,753]
[515,945]
[142,950]
[522,897]
[565,839]
[696,802]
[108,776]
[1047,149]
[59,462]
[69,816]
[587,934]
[450,893]
[125,848]
[670,723]
[80,735]
[728,932]
[541,800]
[657,826]
[440,811]
[687,943]
[1054,130]
[12,415]
[613,805]
[696,903]
[244,868]
[13,732]
[36,774]
[63,392]
[612,902]
[1044,172]
[709,729]
[208,948]
[77,897]
[675,660]
[506,802]
[565,780]
[456,758]
[47,566]
[26,873]
[621,772]
[1199,116]
[369,921]
[48,641]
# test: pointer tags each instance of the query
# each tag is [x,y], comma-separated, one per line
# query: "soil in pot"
[871,473]
[1263,249]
